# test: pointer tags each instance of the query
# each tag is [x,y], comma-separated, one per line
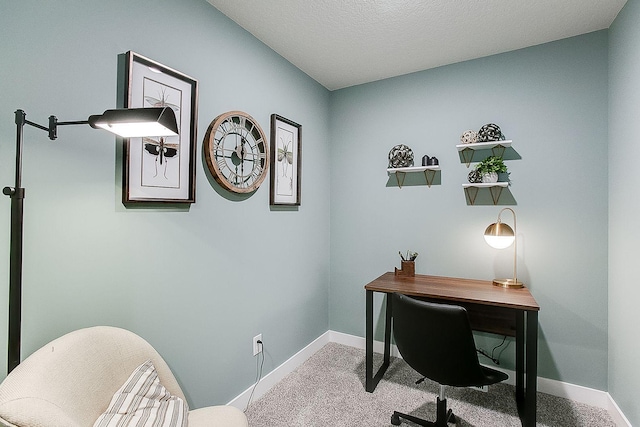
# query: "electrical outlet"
[257,346]
[484,388]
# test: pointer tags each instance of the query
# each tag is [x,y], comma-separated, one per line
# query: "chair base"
[442,418]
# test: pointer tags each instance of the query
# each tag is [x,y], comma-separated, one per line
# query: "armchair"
[70,381]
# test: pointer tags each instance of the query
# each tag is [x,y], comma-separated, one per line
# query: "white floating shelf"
[471,190]
[484,145]
[413,169]
[486,184]
[400,173]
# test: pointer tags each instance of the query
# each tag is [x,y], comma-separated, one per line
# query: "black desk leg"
[369,386]
[527,363]
[370,381]
[520,343]
[532,369]
[387,331]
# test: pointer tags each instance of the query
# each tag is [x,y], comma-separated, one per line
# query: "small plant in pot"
[490,167]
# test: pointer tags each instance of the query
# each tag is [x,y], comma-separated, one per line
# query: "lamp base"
[508,283]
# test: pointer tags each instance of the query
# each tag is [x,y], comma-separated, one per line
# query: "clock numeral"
[219,142]
[255,173]
[233,177]
[222,163]
[222,130]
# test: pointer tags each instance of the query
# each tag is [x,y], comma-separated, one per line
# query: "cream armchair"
[70,381]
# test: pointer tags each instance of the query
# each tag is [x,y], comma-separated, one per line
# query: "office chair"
[436,340]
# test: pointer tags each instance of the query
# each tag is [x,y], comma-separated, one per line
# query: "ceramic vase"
[490,177]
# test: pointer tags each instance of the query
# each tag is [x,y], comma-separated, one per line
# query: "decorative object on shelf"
[490,132]
[286,161]
[490,167]
[160,169]
[430,161]
[490,177]
[474,177]
[237,152]
[501,236]
[400,156]
[408,264]
[469,137]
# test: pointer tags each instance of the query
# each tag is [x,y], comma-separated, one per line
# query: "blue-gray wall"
[197,283]
[198,286]
[624,205]
[551,100]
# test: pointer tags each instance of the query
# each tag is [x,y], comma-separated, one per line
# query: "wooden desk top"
[455,290]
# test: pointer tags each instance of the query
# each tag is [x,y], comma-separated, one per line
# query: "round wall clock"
[236,152]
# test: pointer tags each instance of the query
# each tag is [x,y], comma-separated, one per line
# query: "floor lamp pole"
[16,194]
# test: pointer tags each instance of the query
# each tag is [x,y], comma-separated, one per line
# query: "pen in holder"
[408,265]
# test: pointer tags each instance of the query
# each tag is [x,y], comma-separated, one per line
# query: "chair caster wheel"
[395,420]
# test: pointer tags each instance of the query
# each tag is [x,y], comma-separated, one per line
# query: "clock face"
[236,152]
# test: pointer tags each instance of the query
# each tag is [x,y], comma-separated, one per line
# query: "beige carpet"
[328,390]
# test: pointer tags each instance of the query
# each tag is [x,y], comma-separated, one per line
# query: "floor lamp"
[128,123]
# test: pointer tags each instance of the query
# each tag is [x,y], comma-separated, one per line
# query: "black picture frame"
[286,162]
[160,170]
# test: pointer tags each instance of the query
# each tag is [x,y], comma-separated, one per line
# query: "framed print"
[286,159]
[160,169]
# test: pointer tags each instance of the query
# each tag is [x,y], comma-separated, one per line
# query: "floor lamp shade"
[137,122]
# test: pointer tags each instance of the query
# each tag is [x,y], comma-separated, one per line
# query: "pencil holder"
[408,269]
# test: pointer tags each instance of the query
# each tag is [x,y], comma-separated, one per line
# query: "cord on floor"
[259,365]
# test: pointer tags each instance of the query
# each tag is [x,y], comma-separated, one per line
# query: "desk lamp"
[500,236]
[133,122]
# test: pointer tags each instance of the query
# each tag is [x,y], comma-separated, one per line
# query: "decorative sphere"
[490,132]
[474,177]
[400,156]
[469,137]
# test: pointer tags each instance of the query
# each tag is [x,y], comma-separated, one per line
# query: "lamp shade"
[137,122]
[499,235]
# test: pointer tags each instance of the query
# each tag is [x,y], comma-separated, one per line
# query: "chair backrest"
[436,340]
[70,381]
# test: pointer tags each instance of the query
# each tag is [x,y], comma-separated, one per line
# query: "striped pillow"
[142,401]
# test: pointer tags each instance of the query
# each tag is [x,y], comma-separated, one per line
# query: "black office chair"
[436,340]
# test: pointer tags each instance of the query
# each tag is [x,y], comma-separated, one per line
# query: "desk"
[511,312]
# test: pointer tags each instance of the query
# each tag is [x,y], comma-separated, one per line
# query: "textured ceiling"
[342,43]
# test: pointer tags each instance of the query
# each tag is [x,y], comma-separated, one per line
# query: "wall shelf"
[471,190]
[400,173]
[469,150]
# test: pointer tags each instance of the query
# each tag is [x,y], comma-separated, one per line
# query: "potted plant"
[490,167]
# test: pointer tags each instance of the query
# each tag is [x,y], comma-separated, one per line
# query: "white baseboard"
[589,396]
[273,377]
[616,413]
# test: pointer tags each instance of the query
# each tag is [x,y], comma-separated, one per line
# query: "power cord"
[490,357]
[258,373]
